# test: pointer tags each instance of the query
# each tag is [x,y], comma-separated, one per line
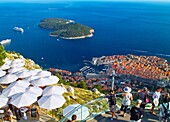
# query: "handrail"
[88,104]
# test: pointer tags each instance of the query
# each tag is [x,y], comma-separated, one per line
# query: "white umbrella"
[8,79]
[23,99]
[7,61]
[9,91]
[16,69]
[17,64]
[43,74]
[24,74]
[53,79]
[76,109]
[33,72]
[2,73]
[17,61]
[53,90]
[3,100]
[5,67]
[51,101]
[34,90]
[20,83]
[40,82]
[30,78]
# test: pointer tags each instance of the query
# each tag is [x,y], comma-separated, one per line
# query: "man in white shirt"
[156,97]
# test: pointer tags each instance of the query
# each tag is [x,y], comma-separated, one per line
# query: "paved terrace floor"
[43,118]
[107,118]
[100,118]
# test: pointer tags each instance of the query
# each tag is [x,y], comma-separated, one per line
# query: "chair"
[2,115]
[34,113]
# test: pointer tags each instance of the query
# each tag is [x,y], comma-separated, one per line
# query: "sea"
[139,28]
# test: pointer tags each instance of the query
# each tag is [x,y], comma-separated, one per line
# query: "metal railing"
[96,107]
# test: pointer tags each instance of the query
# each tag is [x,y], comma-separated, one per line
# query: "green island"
[67,29]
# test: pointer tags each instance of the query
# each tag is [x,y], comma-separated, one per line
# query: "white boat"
[5,41]
[18,29]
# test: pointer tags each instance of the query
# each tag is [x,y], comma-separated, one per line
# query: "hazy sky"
[78,0]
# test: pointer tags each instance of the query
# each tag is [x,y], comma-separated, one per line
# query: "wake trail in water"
[147,52]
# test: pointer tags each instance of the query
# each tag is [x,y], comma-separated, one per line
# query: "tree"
[61,80]
[99,87]
[83,85]
[2,55]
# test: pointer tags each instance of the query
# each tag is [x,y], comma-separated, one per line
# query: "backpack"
[112,99]
[135,114]
[166,111]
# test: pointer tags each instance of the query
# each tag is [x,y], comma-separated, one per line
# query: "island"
[66,29]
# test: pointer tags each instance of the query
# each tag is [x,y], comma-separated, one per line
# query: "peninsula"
[66,29]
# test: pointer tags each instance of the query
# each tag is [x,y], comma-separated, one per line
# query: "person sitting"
[136,112]
[10,115]
[23,112]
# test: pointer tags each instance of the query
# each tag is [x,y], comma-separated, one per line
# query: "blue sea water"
[120,28]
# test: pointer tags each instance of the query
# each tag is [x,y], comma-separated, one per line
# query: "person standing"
[156,97]
[144,96]
[112,104]
[136,112]
[164,110]
[127,97]
[17,113]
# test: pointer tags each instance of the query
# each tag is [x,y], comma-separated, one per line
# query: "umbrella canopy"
[81,112]
[7,61]
[33,72]
[23,99]
[53,90]
[40,82]
[51,101]
[34,90]
[43,74]
[30,78]
[8,79]
[19,83]
[2,73]
[16,69]
[17,63]
[3,100]
[5,67]
[9,91]
[53,79]
[24,74]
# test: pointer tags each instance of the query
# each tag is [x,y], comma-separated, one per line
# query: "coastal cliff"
[66,29]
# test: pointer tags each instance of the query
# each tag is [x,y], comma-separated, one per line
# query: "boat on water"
[18,29]
[5,41]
